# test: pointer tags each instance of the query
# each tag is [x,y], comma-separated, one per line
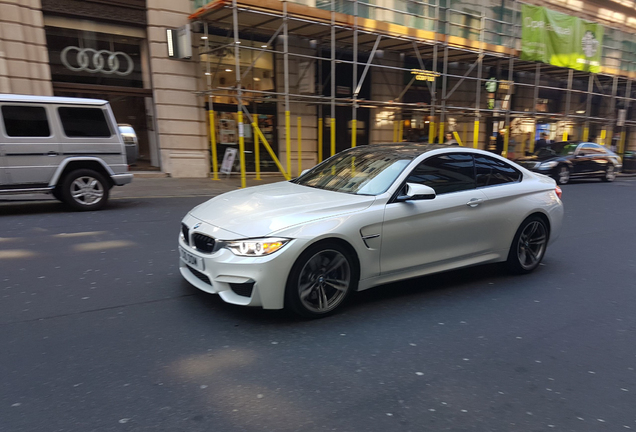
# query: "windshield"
[362,173]
[557,149]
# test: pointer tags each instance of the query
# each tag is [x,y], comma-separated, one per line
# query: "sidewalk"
[151,185]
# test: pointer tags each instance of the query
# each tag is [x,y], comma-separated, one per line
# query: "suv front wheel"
[85,189]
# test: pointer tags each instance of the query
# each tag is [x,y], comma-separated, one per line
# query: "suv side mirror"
[417,192]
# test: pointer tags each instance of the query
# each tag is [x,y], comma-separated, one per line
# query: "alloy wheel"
[87,190]
[532,244]
[324,281]
[564,175]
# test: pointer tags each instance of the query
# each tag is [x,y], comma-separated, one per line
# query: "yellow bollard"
[476,135]
[354,132]
[431,132]
[300,148]
[215,163]
[241,148]
[333,136]
[440,138]
[319,140]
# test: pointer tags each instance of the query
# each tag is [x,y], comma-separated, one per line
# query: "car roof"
[405,148]
[50,99]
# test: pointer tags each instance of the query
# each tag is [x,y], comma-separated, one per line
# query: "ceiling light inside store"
[257,79]
[581,112]
[204,37]
[263,46]
[228,70]
[208,73]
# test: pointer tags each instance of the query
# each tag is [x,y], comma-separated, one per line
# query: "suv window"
[84,122]
[490,171]
[25,121]
[592,149]
[446,173]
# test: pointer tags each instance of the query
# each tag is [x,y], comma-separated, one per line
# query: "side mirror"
[417,192]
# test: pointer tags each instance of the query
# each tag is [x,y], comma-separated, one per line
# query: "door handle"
[52,153]
[474,202]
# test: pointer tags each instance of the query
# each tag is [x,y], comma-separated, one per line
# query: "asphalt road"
[98,332]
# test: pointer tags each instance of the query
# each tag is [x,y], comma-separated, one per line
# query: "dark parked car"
[571,160]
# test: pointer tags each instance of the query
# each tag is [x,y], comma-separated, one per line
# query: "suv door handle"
[52,153]
[474,202]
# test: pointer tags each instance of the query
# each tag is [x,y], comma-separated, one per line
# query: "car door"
[446,229]
[31,152]
[583,160]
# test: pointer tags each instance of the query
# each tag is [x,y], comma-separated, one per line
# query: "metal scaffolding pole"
[612,116]
[511,65]
[332,117]
[442,118]
[537,81]
[480,68]
[588,106]
[208,75]
[433,90]
[286,80]
[239,97]
[354,130]
[628,91]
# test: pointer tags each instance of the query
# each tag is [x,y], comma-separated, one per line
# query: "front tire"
[84,190]
[321,280]
[528,246]
[610,174]
[563,175]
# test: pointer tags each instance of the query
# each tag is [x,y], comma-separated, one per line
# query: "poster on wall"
[228,133]
[560,40]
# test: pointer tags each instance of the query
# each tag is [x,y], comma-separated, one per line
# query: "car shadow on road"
[43,206]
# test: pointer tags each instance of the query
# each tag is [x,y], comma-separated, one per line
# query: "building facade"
[311,77]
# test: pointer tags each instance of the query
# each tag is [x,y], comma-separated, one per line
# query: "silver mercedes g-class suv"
[67,147]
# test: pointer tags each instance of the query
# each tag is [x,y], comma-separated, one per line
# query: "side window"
[25,121]
[592,149]
[84,122]
[490,171]
[446,173]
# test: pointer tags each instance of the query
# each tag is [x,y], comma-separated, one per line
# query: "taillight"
[558,191]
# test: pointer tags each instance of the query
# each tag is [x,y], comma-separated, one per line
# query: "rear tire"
[528,246]
[85,189]
[321,280]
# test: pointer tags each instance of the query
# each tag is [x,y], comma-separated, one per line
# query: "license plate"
[191,260]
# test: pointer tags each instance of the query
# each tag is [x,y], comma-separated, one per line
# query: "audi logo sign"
[97,61]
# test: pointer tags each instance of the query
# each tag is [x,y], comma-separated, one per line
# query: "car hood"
[261,210]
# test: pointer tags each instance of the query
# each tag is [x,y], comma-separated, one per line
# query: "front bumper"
[246,281]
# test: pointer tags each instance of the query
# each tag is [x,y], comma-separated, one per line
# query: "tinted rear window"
[446,173]
[25,121]
[490,171]
[84,122]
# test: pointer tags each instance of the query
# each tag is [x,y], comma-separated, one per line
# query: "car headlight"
[548,165]
[256,247]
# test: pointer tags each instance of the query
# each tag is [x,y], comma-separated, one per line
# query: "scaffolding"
[441,50]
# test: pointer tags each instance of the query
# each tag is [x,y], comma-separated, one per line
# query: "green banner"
[560,40]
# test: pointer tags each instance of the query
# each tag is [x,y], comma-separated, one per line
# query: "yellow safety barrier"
[300,147]
[319,140]
[440,138]
[288,143]
[586,133]
[476,135]
[565,135]
[215,163]
[431,132]
[459,141]
[241,148]
[257,131]
[257,151]
[603,135]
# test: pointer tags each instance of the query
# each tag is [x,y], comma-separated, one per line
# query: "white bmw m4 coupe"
[368,216]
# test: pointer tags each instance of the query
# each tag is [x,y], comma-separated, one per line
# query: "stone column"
[181,118]
[24,60]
